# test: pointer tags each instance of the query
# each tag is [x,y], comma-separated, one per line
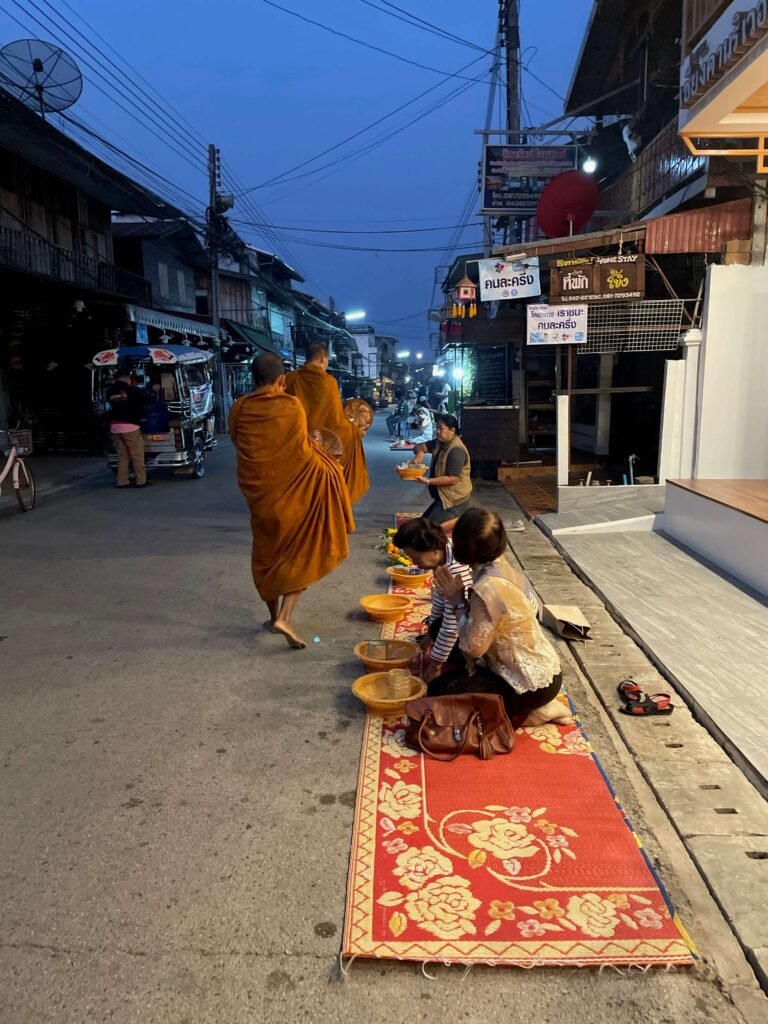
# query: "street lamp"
[419,355]
[356,314]
[403,355]
[590,165]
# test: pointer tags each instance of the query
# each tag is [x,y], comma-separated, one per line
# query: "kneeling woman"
[499,625]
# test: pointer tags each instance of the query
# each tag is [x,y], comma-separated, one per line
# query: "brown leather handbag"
[444,728]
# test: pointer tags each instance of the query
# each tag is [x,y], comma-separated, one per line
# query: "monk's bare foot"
[269,626]
[286,630]
[553,712]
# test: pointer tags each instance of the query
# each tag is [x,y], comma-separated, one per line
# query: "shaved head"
[266,368]
[317,353]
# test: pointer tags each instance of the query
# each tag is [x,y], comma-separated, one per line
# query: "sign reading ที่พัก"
[500,279]
[602,278]
[557,325]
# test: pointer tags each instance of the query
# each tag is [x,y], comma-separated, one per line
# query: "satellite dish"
[567,203]
[40,74]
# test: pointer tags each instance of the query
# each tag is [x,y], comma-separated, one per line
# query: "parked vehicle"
[178,426]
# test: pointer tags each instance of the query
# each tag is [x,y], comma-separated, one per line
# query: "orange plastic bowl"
[403,578]
[410,472]
[386,607]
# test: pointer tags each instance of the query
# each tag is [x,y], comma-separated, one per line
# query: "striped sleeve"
[449,629]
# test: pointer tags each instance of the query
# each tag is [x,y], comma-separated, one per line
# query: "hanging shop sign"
[516,280]
[598,278]
[515,176]
[733,35]
[557,325]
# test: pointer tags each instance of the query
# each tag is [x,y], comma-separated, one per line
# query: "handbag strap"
[446,757]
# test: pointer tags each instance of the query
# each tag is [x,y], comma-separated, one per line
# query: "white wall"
[732,434]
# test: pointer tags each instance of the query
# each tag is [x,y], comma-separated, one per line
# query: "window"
[162,278]
[182,283]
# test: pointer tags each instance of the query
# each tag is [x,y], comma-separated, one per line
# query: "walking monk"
[319,394]
[300,508]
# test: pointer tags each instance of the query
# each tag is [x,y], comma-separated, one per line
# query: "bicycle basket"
[22,441]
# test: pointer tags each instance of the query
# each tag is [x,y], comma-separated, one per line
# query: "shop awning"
[578,243]
[169,322]
[252,335]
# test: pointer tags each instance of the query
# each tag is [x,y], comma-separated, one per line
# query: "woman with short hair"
[498,624]
[449,483]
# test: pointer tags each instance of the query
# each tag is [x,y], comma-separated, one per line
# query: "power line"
[360,42]
[350,138]
[185,155]
[420,23]
[357,231]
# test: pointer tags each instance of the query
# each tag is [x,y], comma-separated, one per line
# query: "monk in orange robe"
[300,509]
[318,392]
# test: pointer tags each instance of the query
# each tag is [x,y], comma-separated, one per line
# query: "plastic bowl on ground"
[410,472]
[386,607]
[373,690]
[411,581]
[397,654]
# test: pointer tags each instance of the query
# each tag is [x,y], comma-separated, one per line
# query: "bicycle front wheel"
[24,485]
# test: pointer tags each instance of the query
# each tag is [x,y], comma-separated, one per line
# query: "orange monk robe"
[300,508]
[318,392]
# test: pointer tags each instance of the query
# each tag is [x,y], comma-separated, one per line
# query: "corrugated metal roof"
[704,230]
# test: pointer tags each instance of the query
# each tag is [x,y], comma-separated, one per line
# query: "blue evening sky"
[271,92]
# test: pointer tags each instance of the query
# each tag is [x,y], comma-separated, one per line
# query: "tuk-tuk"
[178,425]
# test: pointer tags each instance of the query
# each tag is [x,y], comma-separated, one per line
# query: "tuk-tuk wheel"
[198,454]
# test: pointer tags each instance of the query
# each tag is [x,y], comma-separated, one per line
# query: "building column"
[603,421]
[691,344]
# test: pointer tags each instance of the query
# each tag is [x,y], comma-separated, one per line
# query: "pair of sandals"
[639,704]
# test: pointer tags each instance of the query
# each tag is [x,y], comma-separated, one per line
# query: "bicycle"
[23,482]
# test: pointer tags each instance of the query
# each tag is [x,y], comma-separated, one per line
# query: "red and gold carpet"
[525,860]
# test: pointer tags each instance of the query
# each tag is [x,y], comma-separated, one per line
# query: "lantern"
[464,296]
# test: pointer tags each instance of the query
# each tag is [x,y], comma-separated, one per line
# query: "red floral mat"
[525,860]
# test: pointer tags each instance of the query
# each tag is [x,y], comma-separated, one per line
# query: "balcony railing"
[663,166]
[30,254]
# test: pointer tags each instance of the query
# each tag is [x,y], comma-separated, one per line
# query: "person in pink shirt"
[126,403]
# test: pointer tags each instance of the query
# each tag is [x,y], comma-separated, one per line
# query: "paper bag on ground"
[567,620]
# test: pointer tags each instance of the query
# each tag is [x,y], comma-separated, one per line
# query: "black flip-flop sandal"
[629,691]
[654,704]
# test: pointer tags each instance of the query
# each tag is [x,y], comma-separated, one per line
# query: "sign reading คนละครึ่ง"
[557,325]
[515,176]
[599,278]
[501,280]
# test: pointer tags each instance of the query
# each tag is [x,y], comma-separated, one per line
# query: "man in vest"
[449,481]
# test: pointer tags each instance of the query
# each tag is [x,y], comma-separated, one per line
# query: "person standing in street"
[399,418]
[299,503]
[126,403]
[318,392]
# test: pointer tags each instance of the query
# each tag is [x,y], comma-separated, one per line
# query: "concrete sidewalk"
[178,787]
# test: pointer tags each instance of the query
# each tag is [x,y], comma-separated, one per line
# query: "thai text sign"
[515,176]
[516,280]
[557,325]
[734,33]
[597,279]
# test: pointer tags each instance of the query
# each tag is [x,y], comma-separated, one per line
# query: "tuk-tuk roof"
[160,355]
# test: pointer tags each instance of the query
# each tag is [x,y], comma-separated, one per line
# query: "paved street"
[178,787]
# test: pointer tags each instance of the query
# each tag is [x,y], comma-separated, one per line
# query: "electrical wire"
[426,26]
[348,231]
[350,138]
[360,42]
[195,160]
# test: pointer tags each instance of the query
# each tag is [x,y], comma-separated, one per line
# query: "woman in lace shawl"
[505,649]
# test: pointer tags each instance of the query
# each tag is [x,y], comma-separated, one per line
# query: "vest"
[450,497]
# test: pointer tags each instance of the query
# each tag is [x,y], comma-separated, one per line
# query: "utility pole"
[217,204]
[509,14]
